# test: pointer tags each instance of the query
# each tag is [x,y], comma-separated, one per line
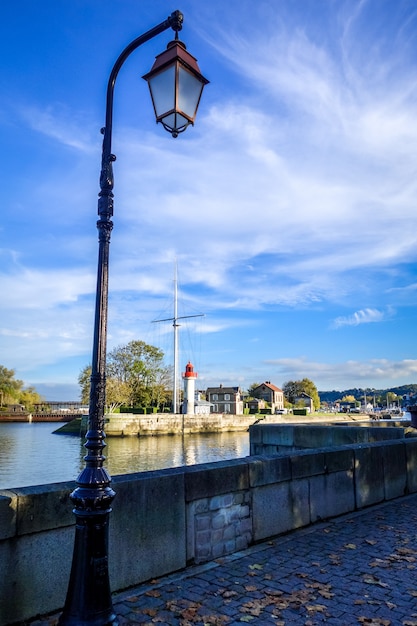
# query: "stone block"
[255,434]
[385,433]
[233,514]
[395,469]
[8,514]
[369,475]
[338,459]
[410,446]
[331,495]
[211,479]
[227,500]
[229,533]
[44,507]
[241,542]
[203,522]
[346,435]
[229,547]
[244,511]
[216,552]
[265,470]
[245,526]
[203,553]
[277,435]
[147,526]
[306,437]
[300,502]
[218,521]
[279,508]
[203,538]
[38,569]
[202,506]
[307,463]
[238,498]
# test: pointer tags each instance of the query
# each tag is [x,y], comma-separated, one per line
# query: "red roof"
[271,386]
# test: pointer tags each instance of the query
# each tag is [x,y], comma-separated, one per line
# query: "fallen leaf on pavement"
[372,580]
[316,608]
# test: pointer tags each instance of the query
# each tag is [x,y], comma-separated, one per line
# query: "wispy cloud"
[57,122]
[36,289]
[365,316]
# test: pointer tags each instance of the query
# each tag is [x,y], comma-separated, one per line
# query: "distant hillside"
[333,396]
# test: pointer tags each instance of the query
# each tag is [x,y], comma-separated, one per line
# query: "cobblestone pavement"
[357,569]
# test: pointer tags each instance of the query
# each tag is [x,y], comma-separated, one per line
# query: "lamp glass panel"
[175,121]
[162,88]
[189,92]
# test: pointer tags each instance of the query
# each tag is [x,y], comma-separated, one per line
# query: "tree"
[29,397]
[392,398]
[349,398]
[135,376]
[252,388]
[294,388]
[84,382]
[12,390]
[9,386]
[140,367]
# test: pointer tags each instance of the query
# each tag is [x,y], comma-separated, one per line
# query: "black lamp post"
[176,85]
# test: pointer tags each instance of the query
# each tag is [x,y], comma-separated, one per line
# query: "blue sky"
[290,206]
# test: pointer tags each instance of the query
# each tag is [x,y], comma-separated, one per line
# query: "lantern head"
[176,85]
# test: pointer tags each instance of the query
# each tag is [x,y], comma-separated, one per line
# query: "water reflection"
[148,453]
[30,454]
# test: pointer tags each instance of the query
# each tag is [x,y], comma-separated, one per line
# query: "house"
[201,407]
[255,405]
[225,400]
[305,401]
[271,394]
[15,408]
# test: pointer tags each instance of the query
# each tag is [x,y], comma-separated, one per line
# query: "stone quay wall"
[128,424]
[281,438]
[165,520]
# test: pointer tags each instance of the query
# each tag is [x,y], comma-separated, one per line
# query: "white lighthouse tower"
[189,377]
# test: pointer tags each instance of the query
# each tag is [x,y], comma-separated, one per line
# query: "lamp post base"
[89,600]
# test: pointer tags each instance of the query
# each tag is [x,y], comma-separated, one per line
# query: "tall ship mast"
[174,320]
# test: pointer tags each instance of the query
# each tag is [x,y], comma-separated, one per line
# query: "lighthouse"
[189,377]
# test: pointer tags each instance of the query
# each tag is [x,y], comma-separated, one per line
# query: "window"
[227,408]
[227,396]
[215,397]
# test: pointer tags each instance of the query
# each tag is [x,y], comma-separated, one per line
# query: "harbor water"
[32,454]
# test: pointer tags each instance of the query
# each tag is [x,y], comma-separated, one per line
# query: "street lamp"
[176,85]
